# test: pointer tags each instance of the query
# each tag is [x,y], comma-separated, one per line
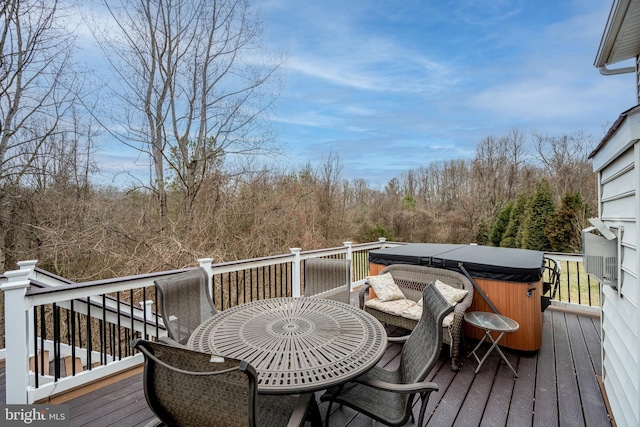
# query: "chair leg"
[423,408]
[326,420]
[313,414]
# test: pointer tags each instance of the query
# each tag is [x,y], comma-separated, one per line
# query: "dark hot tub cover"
[487,262]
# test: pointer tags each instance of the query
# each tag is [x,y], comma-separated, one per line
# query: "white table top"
[295,344]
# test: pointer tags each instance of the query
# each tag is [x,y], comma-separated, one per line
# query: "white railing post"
[349,257]
[16,336]
[296,272]
[29,266]
[147,306]
[206,264]
[349,249]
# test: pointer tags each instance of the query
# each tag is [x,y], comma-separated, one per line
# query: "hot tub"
[511,279]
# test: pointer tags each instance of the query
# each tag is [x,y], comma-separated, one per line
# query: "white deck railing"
[48,318]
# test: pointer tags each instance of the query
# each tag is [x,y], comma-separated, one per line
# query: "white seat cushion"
[395,307]
[405,308]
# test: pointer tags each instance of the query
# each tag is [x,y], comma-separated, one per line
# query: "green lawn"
[576,286]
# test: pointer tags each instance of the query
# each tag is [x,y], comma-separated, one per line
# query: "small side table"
[491,322]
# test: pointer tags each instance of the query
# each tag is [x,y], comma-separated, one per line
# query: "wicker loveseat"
[412,279]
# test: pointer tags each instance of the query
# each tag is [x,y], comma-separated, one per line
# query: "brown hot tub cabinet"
[510,278]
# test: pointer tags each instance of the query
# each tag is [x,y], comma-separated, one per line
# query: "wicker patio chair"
[188,388]
[184,303]
[387,396]
[328,278]
[411,279]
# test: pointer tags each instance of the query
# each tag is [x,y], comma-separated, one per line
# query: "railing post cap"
[347,243]
[295,250]
[16,279]
[382,239]
[28,264]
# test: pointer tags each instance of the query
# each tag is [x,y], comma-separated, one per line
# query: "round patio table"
[296,345]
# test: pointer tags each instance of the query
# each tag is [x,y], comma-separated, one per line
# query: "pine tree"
[482,236]
[515,219]
[539,213]
[563,230]
[500,225]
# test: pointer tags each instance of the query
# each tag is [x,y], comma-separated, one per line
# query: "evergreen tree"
[538,214]
[563,230]
[482,236]
[500,225]
[515,219]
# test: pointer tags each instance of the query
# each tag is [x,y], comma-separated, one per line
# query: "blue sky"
[390,86]
[393,85]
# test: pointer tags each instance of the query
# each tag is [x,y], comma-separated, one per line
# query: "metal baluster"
[244,286]
[36,360]
[155,302]
[144,313]
[104,328]
[101,341]
[88,330]
[568,282]
[73,339]
[131,308]
[79,331]
[579,289]
[112,341]
[43,336]
[56,341]
[229,290]
[119,326]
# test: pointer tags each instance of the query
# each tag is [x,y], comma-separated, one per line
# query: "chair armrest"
[397,339]
[466,302]
[363,291]
[172,342]
[418,387]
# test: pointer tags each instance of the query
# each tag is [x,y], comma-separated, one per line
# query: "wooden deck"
[557,386]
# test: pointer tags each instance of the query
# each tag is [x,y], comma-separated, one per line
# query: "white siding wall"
[618,170]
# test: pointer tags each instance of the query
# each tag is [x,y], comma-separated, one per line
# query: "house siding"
[638,79]
[617,165]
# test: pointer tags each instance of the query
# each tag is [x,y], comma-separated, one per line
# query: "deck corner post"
[296,272]
[17,336]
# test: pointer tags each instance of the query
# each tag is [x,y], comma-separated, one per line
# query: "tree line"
[189,96]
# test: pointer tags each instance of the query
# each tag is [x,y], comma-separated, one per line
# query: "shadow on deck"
[558,385]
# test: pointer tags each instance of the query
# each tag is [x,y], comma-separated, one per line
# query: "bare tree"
[192,81]
[565,161]
[36,75]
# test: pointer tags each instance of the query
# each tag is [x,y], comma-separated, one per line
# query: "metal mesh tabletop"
[295,344]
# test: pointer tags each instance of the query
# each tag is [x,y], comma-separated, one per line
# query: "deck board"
[557,386]
[591,401]
[569,407]
[520,409]
[496,409]
[545,409]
